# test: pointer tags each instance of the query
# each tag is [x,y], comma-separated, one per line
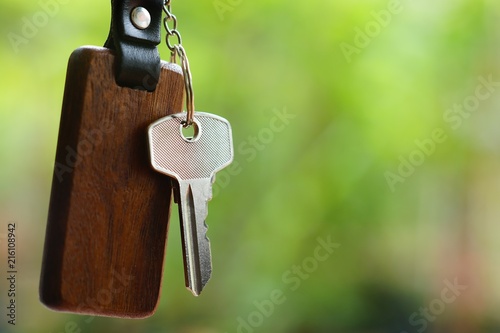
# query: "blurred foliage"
[323,174]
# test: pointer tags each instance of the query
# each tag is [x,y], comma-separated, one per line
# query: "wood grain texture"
[108,214]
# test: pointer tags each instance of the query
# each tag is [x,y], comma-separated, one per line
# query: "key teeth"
[197,252]
[205,276]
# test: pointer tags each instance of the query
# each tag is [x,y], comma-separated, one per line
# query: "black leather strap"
[137,58]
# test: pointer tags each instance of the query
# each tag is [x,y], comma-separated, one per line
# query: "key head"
[208,151]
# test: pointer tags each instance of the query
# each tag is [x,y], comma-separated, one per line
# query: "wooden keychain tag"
[108,215]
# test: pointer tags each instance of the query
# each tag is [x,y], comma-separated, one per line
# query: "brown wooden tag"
[108,214]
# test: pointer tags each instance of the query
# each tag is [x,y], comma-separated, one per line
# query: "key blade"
[195,243]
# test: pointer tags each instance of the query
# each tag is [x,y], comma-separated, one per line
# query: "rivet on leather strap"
[137,63]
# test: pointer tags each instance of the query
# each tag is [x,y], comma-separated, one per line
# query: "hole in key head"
[190,133]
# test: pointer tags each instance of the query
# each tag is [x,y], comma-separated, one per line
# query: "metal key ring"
[177,35]
[188,84]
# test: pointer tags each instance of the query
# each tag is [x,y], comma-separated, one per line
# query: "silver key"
[193,162]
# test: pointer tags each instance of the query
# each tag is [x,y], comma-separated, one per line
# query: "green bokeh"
[320,174]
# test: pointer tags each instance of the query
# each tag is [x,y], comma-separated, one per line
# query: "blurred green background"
[368,124]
